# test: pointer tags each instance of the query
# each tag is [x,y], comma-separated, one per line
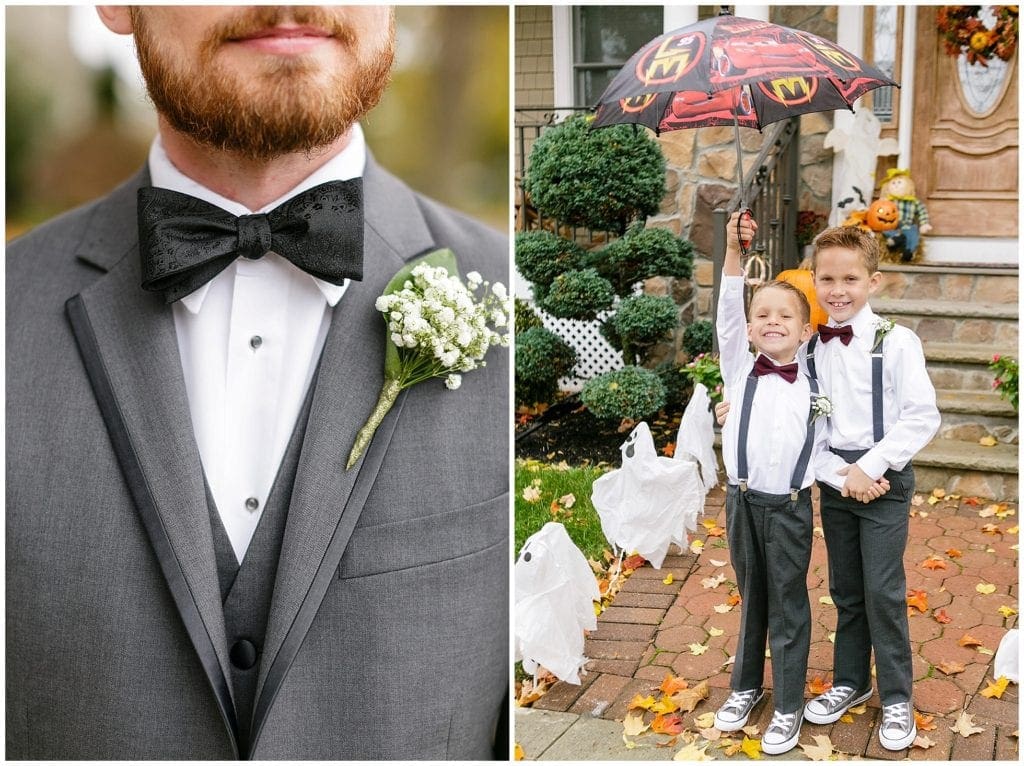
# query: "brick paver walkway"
[646,632]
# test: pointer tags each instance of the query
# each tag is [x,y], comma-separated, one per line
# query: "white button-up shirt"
[909,414]
[778,417]
[250,340]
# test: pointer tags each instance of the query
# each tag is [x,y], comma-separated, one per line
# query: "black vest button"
[243,654]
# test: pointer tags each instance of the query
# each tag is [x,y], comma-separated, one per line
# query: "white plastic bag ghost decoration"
[650,502]
[555,595]
[858,145]
[1007,660]
[696,437]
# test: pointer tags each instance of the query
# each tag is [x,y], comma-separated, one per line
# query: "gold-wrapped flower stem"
[388,395]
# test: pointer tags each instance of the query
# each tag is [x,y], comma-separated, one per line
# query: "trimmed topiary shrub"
[577,295]
[541,359]
[541,256]
[631,392]
[642,254]
[678,387]
[603,178]
[641,321]
[524,317]
[698,338]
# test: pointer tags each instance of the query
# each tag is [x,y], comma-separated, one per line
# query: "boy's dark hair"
[849,238]
[801,299]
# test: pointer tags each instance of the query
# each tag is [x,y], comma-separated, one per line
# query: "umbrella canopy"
[732,70]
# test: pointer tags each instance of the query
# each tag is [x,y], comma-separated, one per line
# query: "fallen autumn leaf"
[996,688]
[821,750]
[964,725]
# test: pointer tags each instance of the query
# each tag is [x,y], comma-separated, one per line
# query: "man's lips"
[284,40]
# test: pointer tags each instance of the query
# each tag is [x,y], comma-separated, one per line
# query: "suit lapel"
[327,499]
[129,348]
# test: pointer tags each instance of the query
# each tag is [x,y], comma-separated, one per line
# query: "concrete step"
[963,366]
[975,403]
[967,469]
[944,308]
[964,353]
[954,321]
[970,415]
[970,284]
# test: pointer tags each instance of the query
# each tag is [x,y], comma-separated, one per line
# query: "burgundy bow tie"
[765,366]
[845,333]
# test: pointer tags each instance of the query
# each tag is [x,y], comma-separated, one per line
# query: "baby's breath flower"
[441,329]
[822,407]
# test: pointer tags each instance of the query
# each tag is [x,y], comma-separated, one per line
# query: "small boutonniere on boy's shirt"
[437,328]
[882,328]
[821,407]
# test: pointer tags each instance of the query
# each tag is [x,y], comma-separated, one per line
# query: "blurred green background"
[77,121]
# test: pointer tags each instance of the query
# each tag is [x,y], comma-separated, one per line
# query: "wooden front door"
[965,147]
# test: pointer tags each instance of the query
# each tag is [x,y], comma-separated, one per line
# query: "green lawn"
[554,482]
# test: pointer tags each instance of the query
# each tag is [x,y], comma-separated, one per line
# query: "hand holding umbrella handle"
[746,215]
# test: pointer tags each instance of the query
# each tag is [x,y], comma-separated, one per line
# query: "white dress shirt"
[250,340]
[778,416]
[909,415]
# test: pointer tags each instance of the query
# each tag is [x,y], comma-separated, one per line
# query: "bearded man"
[192,573]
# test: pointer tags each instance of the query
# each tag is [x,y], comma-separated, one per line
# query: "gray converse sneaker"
[782,733]
[734,713]
[898,730]
[830,706]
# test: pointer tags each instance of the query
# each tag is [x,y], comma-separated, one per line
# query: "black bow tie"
[845,333]
[765,366]
[185,242]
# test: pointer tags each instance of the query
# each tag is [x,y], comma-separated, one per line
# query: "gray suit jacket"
[387,636]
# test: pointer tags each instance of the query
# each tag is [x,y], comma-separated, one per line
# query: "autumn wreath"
[964,32]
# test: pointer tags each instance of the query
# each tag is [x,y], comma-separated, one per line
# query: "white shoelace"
[781,721]
[738,700]
[836,694]
[896,715]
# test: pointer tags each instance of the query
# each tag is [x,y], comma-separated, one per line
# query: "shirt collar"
[862,322]
[347,164]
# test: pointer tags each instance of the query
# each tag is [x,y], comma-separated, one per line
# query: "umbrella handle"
[745,215]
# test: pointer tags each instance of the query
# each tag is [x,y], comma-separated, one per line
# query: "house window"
[885,26]
[604,37]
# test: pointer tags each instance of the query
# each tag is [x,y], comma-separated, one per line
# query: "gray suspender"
[876,390]
[877,425]
[741,447]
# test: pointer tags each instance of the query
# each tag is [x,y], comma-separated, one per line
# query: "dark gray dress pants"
[866,542]
[770,547]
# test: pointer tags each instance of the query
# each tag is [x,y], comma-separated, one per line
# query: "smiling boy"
[768,449]
[884,412]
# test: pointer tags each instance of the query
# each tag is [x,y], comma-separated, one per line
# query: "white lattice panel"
[594,355]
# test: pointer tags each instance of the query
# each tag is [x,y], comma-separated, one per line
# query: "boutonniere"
[882,328]
[821,406]
[437,328]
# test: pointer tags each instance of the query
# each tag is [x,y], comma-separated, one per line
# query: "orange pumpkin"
[803,280]
[883,215]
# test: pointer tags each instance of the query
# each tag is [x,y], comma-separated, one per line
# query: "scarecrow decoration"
[905,239]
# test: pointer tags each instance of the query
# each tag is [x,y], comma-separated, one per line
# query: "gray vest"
[246,590]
